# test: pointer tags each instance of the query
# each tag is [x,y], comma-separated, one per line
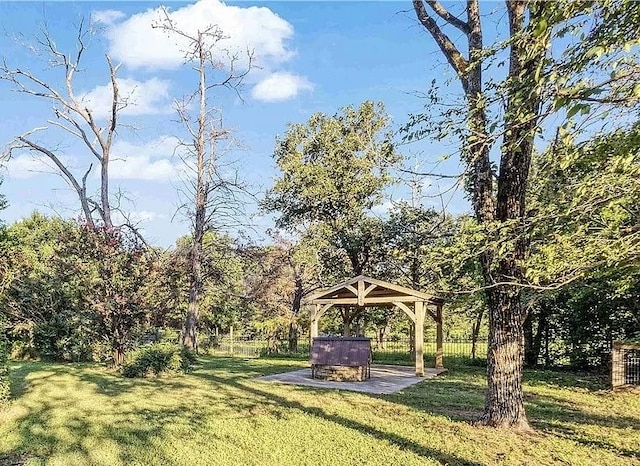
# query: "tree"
[115,267]
[72,292]
[589,243]
[335,169]
[74,117]
[214,196]
[535,85]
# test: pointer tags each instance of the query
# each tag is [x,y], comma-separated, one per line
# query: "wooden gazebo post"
[313,328]
[439,364]
[419,352]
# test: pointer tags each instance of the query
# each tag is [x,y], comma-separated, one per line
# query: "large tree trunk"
[190,333]
[506,209]
[504,404]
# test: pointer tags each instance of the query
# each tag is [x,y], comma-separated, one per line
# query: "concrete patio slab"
[384,379]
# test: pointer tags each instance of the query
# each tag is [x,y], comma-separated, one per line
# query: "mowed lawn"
[78,414]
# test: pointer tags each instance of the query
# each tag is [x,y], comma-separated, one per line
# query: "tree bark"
[504,403]
[346,322]
[298,293]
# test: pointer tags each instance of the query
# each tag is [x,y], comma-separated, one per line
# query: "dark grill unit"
[341,358]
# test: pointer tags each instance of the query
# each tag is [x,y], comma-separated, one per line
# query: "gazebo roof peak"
[363,290]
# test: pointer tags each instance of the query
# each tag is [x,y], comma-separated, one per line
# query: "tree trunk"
[298,293]
[530,357]
[190,336]
[504,405]
[346,323]
[475,331]
[293,337]
[533,340]
[506,209]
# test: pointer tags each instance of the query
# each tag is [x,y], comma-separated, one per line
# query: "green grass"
[77,414]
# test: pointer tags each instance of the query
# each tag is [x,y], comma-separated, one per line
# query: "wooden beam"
[360,293]
[439,364]
[323,309]
[375,300]
[419,311]
[406,310]
[352,289]
[333,289]
[408,292]
[403,289]
[369,289]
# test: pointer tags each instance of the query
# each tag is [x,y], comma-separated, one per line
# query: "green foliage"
[333,167]
[156,359]
[334,170]
[73,293]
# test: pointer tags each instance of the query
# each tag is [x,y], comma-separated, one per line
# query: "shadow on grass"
[395,439]
[458,395]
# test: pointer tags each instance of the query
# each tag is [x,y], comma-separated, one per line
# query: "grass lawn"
[78,414]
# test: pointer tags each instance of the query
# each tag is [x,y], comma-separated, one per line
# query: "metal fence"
[625,364]
[387,349]
[632,368]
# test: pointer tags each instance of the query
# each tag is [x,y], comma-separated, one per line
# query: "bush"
[158,358]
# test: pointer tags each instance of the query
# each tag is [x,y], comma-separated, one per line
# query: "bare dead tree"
[74,117]
[214,196]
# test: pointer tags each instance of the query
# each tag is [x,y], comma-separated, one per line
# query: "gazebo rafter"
[363,291]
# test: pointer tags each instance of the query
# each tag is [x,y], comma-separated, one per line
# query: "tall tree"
[213,195]
[334,170]
[535,85]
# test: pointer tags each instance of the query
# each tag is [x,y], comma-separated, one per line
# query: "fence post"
[617,365]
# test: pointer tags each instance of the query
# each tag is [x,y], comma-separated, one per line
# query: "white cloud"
[149,97]
[138,44]
[107,17]
[150,161]
[28,166]
[280,86]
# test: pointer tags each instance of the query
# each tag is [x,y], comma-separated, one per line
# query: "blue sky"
[313,57]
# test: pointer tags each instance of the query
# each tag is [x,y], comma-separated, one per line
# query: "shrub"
[158,358]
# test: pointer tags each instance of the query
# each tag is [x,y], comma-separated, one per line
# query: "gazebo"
[362,291]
